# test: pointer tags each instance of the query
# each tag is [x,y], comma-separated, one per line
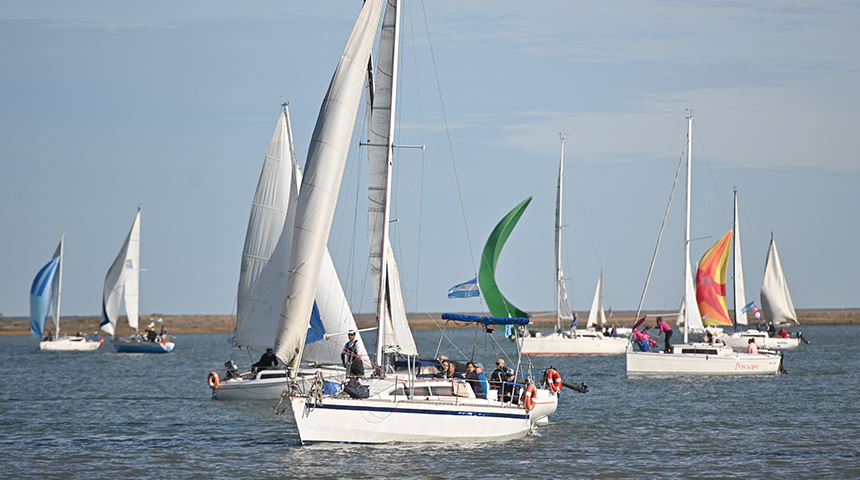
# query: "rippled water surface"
[109,415]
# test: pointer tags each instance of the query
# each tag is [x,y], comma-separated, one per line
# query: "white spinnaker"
[394,328]
[321,183]
[776,301]
[122,282]
[563,312]
[738,271]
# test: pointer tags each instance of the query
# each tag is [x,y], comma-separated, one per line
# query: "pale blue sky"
[106,105]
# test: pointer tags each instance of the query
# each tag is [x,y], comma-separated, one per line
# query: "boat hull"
[711,361]
[561,344]
[143,347]
[741,340]
[347,420]
[70,344]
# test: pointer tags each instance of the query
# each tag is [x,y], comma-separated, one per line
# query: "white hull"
[582,344]
[70,344]
[379,421]
[701,359]
[740,340]
[270,384]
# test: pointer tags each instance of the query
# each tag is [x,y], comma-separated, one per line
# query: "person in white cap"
[351,356]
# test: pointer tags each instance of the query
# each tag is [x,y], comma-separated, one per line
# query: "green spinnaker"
[497,303]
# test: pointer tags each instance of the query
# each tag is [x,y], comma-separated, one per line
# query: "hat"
[509,372]
[479,365]
[351,332]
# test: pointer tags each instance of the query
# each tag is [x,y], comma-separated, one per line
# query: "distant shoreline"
[183,324]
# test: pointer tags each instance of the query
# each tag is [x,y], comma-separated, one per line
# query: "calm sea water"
[108,415]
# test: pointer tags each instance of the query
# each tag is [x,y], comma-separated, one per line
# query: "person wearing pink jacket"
[665,328]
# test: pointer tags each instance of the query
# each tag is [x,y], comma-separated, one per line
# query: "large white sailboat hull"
[701,359]
[70,344]
[762,339]
[563,344]
[380,421]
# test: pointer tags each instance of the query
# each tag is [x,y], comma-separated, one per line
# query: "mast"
[559,275]
[688,295]
[737,270]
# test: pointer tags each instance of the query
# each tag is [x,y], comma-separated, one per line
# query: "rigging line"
[450,144]
[660,237]
[584,213]
[423,160]
[710,170]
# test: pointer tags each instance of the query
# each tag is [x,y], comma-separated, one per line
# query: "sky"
[110,106]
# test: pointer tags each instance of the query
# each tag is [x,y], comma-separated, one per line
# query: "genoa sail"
[711,283]
[596,316]
[497,303]
[45,294]
[317,199]
[738,271]
[123,282]
[776,301]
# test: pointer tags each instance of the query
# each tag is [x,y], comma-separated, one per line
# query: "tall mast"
[383,270]
[687,267]
[559,275]
[59,288]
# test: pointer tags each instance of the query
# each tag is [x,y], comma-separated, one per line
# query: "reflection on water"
[108,415]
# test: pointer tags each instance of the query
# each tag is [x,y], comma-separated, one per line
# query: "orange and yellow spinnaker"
[711,283]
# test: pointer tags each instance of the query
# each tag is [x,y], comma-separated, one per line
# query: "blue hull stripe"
[328,406]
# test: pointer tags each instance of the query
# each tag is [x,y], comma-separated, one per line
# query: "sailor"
[267,360]
[351,356]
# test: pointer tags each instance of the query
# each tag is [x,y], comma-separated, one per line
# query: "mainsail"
[738,271]
[391,311]
[775,298]
[321,184]
[711,283]
[45,293]
[497,303]
[564,314]
[596,316]
[122,282]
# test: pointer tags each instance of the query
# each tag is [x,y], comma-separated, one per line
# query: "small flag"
[748,307]
[465,289]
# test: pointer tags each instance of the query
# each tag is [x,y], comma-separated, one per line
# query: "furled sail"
[738,271]
[122,282]
[394,328]
[45,293]
[497,303]
[776,301]
[564,314]
[689,315]
[711,283]
[317,199]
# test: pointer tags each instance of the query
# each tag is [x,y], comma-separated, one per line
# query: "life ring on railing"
[164,340]
[529,397]
[553,379]
[101,340]
[214,381]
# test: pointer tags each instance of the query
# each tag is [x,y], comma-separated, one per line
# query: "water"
[105,415]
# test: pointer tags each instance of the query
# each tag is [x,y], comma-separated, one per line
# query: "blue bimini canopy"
[485,320]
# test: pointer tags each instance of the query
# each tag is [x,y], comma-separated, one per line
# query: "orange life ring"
[164,339]
[529,397]
[214,381]
[553,378]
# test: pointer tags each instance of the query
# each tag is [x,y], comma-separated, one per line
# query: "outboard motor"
[232,369]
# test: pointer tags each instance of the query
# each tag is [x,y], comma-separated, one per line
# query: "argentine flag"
[465,289]
[748,307]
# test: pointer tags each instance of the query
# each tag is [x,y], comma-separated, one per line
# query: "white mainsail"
[776,301]
[738,271]
[122,282]
[564,314]
[597,316]
[391,311]
[317,199]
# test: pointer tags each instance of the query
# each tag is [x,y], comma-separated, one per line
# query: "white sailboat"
[263,283]
[740,338]
[45,295]
[697,358]
[122,283]
[776,304]
[572,342]
[398,403]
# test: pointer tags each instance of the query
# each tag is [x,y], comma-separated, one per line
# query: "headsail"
[775,298]
[564,314]
[497,303]
[45,293]
[320,186]
[391,312]
[597,317]
[122,282]
[711,283]
[738,271]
